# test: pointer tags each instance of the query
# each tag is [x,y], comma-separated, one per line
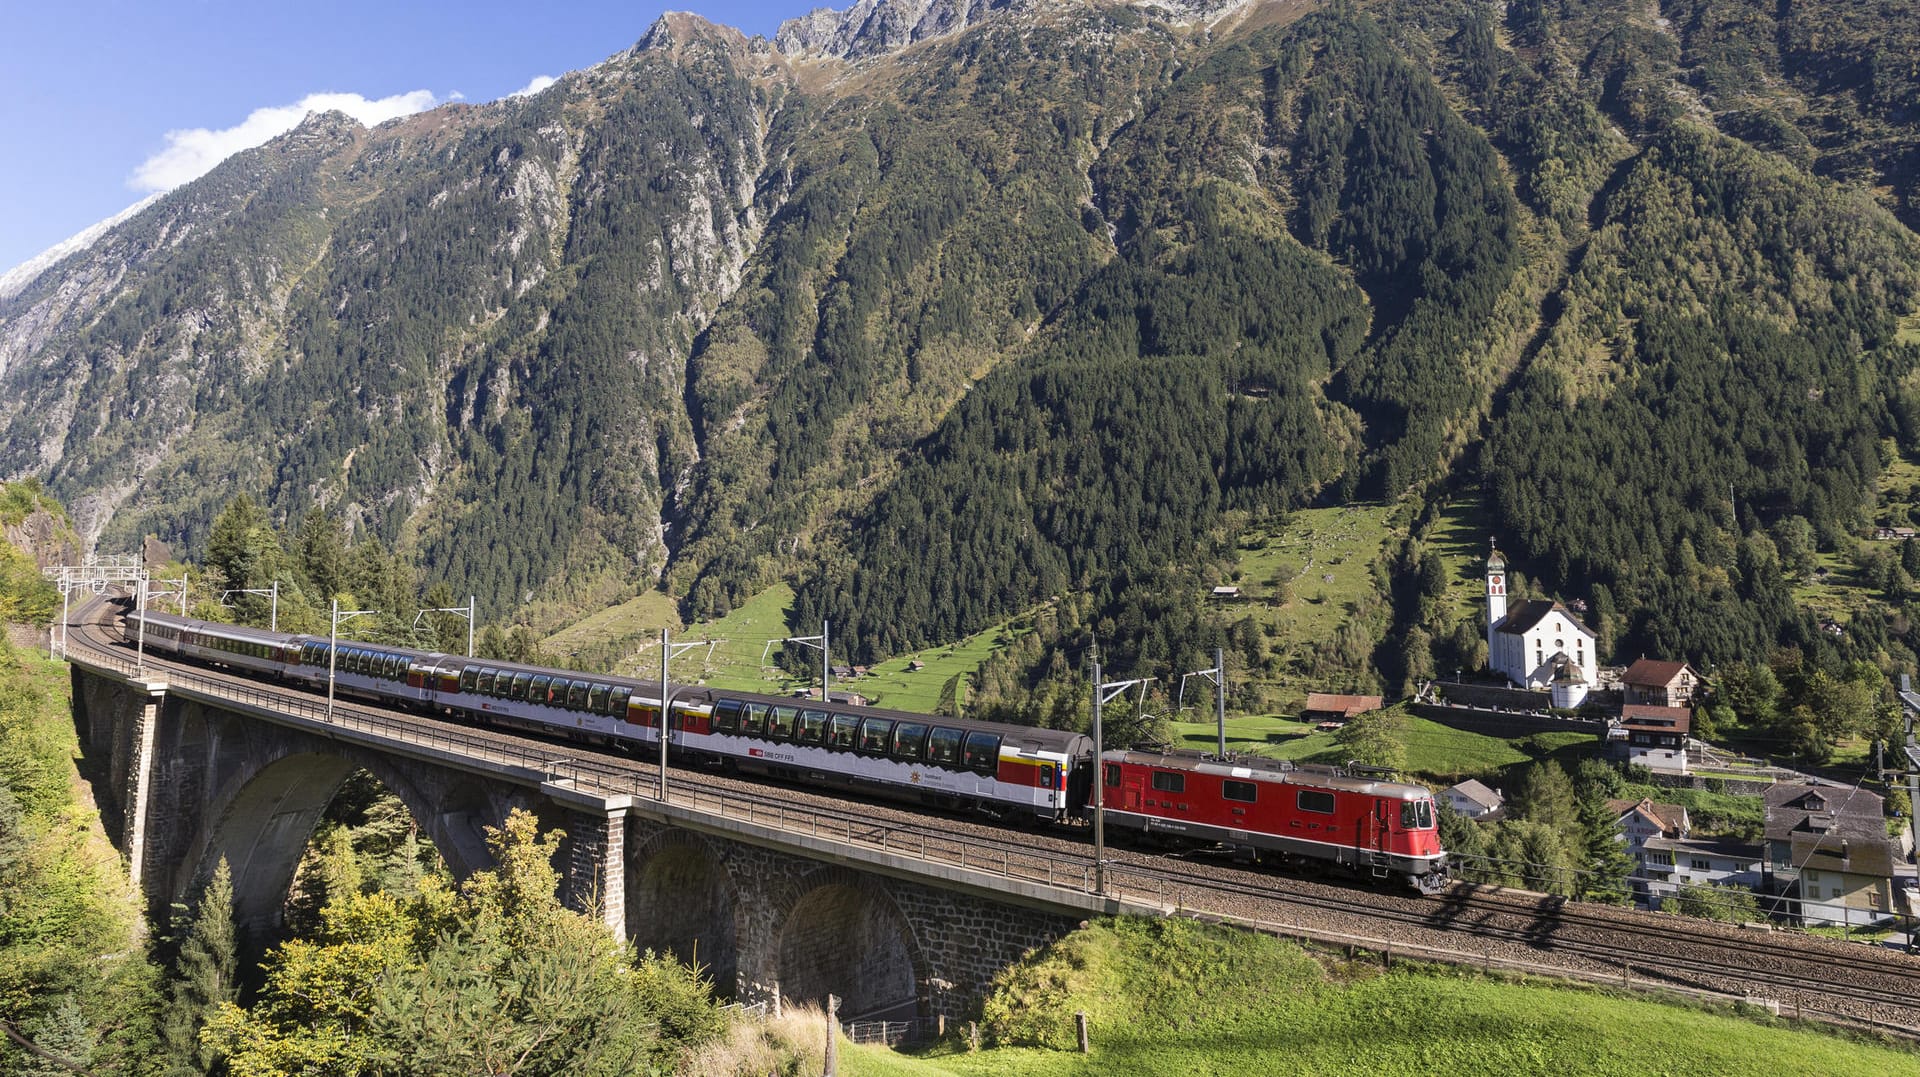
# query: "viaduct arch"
[188,773]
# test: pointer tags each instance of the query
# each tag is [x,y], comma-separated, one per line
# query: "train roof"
[1262,768]
[214,628]
[1032,738]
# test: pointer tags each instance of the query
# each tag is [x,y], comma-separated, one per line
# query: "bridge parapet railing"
[918,842]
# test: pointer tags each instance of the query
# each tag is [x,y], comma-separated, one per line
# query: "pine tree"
[205,976]
[1608,864]
[1546,796]
[64,1040]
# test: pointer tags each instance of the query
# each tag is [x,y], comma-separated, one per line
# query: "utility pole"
[1218,675]
[466,611]
[140,604]
[333,646]
[1102,692]
[668,652]
[826,669]
[273,616]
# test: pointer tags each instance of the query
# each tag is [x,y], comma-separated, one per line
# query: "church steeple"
[1496,591]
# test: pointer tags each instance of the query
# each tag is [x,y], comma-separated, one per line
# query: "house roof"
[1726,848]
[1525,615]
[1472,789]
[1652,673]
[1347,706]
[1670,818]
[1646,717]
[1823,814]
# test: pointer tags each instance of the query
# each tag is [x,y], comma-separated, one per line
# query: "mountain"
[946,310]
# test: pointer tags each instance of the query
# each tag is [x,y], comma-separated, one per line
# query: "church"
[1538,644]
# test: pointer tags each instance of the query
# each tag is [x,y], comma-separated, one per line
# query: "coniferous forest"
[1053,312]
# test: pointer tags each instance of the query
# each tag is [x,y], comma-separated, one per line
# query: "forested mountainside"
[944,310]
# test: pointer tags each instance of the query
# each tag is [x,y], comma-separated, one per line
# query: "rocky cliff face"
[46,537]
[959,305]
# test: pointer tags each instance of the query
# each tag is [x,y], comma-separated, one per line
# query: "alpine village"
[990,537]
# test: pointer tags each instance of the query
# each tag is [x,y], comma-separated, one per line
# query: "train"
[1298,817]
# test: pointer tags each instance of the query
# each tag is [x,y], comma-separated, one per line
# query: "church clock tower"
[1496,596]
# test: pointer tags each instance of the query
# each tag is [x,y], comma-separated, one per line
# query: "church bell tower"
[1496,595]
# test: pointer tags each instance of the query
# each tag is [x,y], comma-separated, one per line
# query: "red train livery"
[1294,816]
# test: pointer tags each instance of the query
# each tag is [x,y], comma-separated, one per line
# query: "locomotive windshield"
[1416,815]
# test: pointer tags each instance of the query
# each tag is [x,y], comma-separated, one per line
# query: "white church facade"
[1537,643]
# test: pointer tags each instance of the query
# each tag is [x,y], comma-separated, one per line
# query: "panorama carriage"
[1296,817]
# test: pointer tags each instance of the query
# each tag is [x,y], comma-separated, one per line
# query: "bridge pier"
[194,771]
[593,879]
[139,779]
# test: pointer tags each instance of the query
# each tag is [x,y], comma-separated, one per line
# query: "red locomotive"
[1293,816]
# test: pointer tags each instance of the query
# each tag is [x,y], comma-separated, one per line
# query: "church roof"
[1524,615]
[1496,561]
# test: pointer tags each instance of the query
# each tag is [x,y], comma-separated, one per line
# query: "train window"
[537,688]
[780,723]
[617,700]
[517,688]
[983,753]
[726,715]
[597,698]
[813,727]
[1243,792]
[577,694]
[753,719]
[910,741]
[484,683]
[1416,815]
[843,732]
[874,734]
[943,746]
[1315,801]
[1113,775]
[1167,781]
[469,678]
[396,666]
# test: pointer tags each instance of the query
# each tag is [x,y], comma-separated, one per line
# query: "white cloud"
[192,153]
[540,82]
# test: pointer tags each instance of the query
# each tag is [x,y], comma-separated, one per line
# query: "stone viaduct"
[190,768]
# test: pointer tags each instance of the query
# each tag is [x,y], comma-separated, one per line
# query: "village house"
[1660,684]
[1327,707]
[1640,821]
[1828,853]
[1667,864]
[1637,822]
[1538,644]
[1473,799]
[1652,737]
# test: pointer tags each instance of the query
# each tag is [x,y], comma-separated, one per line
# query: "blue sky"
[91,89]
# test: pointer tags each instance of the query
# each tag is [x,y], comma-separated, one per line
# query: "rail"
[927,845]
[604,778]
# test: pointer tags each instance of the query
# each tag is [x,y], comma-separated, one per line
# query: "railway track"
[1853,985]
[1848,983]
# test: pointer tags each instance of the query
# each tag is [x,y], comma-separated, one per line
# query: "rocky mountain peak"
[872,27]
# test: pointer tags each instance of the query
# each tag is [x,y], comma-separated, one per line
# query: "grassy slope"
[1173,997]
[1434,751]
[1321,561]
